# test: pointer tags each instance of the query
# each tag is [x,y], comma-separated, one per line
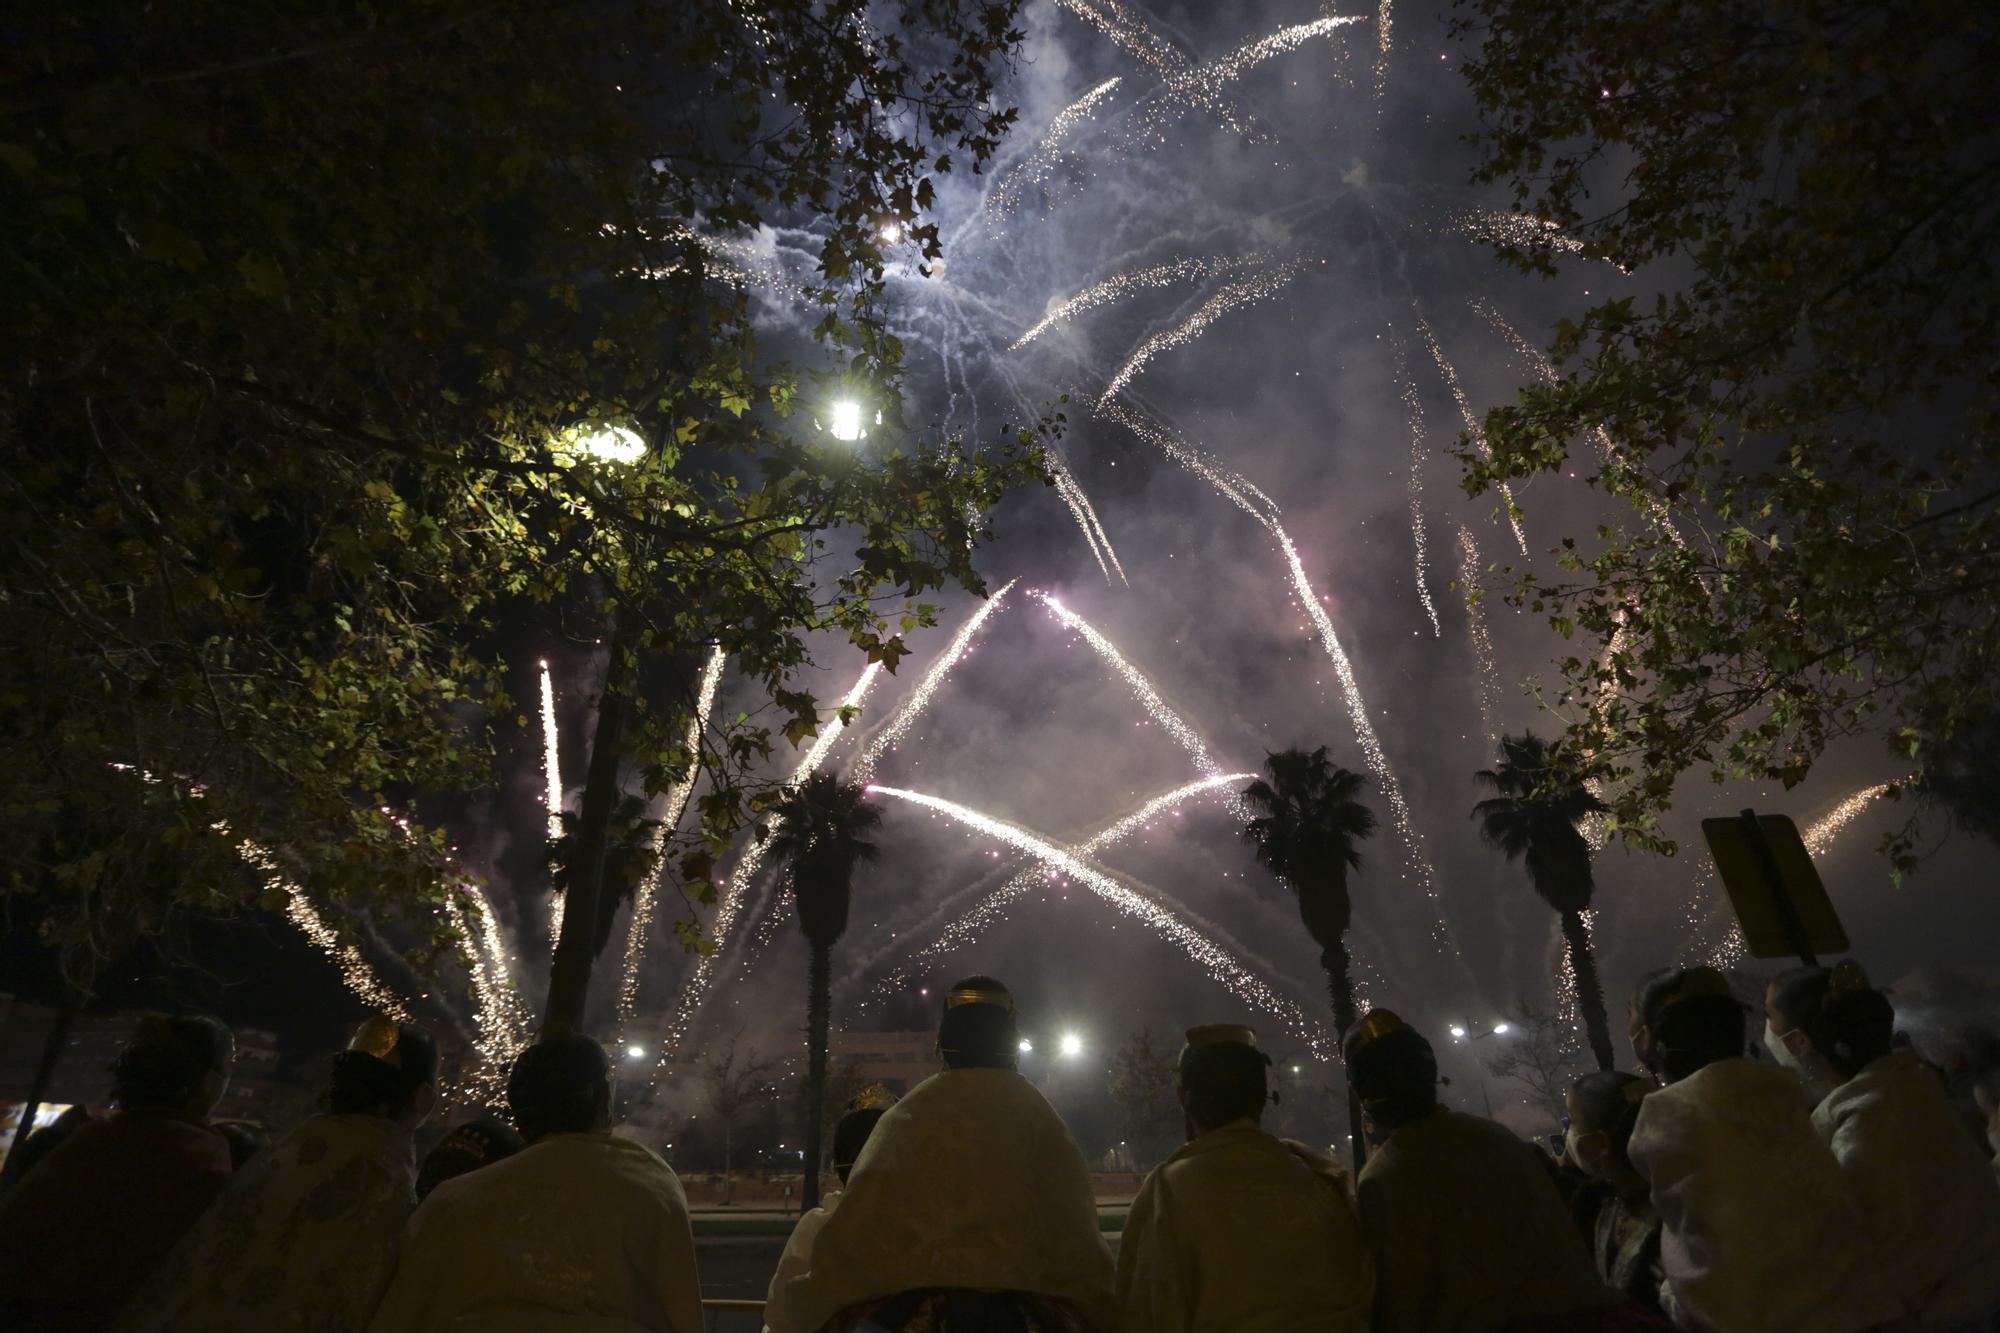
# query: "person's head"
[389,1069]
[1221,1077]
[560,1085]
[851,1131]
[246,1138]
[1392,1069]
[978,1029]
[1827,1024]
[1687,1019]
[1635,1022]
[1603,1107]
[173,1065]
[470,1146]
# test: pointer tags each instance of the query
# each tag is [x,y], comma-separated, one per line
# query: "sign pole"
[1788,913]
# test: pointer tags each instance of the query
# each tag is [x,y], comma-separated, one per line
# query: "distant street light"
[1072,1045]
[635,1052]
[1500,1028]
[1026,1046]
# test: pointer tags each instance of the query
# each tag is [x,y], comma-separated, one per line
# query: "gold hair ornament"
[979,995]
[378,1037]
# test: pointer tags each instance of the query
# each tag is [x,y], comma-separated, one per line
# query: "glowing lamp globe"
[635,1052]
[845,423]
[1457,1031]
[607,444]
[1026,1046]
[1500,1029]
[1072,1045]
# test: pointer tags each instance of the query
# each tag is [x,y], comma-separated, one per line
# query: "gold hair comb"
[979,995]
[378,1037]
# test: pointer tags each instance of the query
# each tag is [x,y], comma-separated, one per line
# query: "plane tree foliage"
[1798,417]
[309,310]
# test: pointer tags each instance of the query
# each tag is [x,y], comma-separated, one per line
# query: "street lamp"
[1459,1031]
[635,1052]
[1072,1046]
[1027,1046]
[607,444]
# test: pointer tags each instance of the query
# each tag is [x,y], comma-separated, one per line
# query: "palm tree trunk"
[819,1003]
[1340,989]
[1589,990]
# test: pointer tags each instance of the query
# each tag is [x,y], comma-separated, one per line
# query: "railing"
[725,1316]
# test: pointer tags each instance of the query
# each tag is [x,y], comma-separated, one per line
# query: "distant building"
[899,1060]
[83,1070]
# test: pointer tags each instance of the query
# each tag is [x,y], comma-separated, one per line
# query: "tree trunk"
[819,1003]
[576,950]
[45,1071]
[1340,989]
[1589,990]
[728,1166]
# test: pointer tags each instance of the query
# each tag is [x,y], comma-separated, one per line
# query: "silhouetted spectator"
[99,1214]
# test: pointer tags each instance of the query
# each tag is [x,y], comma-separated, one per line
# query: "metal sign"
[1780,903]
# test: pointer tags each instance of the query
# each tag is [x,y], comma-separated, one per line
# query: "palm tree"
[1535,817]
[821,837]
[1307,829]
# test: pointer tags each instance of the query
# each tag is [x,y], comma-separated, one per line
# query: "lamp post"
[1462,1036]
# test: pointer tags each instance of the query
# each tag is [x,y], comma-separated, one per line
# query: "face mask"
[1774,1042]
[1814,1085]
[1570,1151]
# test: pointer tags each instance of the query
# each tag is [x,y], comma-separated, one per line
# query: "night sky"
[1354,199]
[1298,392]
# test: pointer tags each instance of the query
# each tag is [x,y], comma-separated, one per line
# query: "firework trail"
[1260,507]
[1122,285]
[1385,23]
[1086,518]
[1419,538]
[730,903]
[1607,449]
[1128,30]
[670,817]
[898,725]
[963,929]
[1818,838]
[1258,287]
[1472,429]
[552,774]
[1202,86]
[1035,167]
[1482,641]
[1142,689]
[355,972]
[494,1017]
[1217,961]
[1497,226]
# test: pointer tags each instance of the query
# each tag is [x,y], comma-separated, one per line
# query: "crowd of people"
[1831,1188]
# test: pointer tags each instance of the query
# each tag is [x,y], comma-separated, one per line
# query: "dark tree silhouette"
[1307,829]
[1535,819]
[822,836]
[737,1077]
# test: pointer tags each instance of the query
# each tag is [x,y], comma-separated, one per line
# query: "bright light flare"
[844,421]
[1457,1032]
[1502,1029]
[607,444]
[1072,1046]
[1027,1047]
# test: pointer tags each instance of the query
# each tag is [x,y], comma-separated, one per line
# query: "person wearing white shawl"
[970,1193]
[849,1137]
[1468,1232]
[1759,1231]
[582,1230]
[305,1236]
[1931,1208]
[1240,1231]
